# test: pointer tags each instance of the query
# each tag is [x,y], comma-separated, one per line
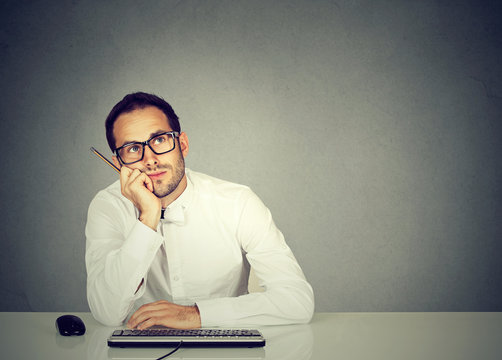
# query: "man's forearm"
[278,306]
[115,278]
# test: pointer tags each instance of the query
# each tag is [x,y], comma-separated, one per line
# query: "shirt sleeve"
[288,297]
[117,258]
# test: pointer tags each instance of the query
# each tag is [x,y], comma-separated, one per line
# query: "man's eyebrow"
[158,132]
[155,133]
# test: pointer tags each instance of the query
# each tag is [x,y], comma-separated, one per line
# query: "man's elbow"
[106,315]
[306,311]
[108,318]
[302,308]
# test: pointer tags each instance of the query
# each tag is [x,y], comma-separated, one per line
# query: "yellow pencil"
[105,159]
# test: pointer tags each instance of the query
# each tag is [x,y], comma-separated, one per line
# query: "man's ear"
[116,161]
[184,144]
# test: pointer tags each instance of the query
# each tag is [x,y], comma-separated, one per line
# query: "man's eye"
[159,140]
[133,149]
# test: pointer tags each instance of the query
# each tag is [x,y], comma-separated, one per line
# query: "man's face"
[166,170]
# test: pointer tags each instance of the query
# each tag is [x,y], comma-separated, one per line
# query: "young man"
[174,247]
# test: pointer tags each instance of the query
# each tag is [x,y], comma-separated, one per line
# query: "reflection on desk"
[329,336]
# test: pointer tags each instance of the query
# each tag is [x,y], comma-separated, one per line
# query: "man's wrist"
[196,316]
[150,219]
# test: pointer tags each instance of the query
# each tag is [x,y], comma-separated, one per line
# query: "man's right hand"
[138,188]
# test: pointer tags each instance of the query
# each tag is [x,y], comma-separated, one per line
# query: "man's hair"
[134,101]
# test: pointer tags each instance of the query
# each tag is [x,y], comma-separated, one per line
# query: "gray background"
[372,130]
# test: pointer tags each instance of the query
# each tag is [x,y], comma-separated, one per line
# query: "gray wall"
[372,130]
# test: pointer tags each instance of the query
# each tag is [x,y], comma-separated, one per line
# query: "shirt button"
[176,278]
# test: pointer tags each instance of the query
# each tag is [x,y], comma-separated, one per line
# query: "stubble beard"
[178,172]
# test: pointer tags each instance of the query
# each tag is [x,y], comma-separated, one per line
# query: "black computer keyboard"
[187,338]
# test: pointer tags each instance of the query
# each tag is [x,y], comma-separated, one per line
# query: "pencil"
[105,159]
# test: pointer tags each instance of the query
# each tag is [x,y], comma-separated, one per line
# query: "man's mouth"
[156,175]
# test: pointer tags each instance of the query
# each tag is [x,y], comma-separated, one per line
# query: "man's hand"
[167,314]
[138,187]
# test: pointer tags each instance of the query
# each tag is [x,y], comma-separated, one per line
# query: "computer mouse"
[69,325]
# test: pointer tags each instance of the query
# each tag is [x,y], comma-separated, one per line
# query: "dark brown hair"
[138,100]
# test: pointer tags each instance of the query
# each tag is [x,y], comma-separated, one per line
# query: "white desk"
[329,336]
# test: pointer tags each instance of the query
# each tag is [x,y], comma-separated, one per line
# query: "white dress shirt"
[201,254]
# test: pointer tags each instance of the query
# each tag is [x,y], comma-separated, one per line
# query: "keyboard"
[189,338]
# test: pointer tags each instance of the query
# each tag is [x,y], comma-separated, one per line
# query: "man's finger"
[143,315]
[146,324]
[133,176]
[165,313]
[125,172]
[127,176]
[137,317]
[146,181]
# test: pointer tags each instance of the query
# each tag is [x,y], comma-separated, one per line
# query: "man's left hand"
[167,314]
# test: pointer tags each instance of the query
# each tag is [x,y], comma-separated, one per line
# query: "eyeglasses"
[160,144]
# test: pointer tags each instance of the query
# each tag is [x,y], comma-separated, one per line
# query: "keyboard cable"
[172,352]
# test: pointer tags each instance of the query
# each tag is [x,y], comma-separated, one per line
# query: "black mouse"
[68,325]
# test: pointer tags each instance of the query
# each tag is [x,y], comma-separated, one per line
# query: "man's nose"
[149,157]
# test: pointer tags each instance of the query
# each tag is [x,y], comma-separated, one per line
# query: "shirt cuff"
[211,312]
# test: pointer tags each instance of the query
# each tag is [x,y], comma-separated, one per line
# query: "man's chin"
[161,193]
[162,190]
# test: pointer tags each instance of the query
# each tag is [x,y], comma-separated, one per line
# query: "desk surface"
[329,336]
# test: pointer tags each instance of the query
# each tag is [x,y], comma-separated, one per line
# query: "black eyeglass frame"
[174,135]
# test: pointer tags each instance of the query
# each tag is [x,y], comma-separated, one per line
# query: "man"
[174,247]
